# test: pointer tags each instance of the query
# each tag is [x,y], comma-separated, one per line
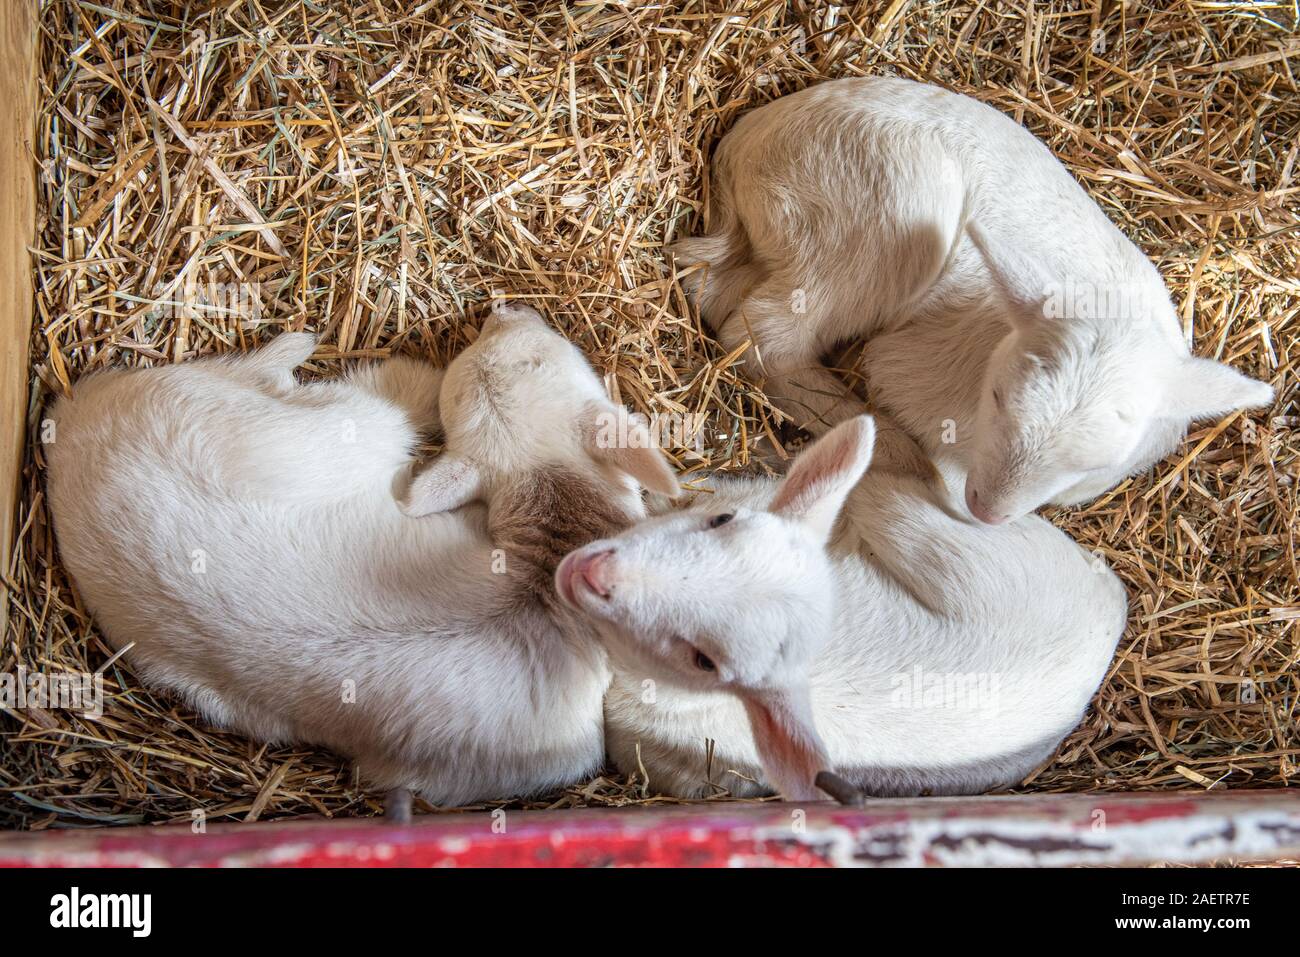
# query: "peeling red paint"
[1030,829]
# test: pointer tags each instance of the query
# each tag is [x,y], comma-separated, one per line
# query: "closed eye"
[718,521]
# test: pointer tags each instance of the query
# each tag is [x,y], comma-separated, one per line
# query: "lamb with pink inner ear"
[842,619]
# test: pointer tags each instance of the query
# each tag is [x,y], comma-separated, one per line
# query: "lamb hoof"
[397,806]
[842,791]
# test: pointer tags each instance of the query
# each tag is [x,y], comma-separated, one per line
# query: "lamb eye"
[718,520]
[704,662]
[997,398]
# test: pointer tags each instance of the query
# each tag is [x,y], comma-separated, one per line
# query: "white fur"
[239,531]
[933,223]
[904,595]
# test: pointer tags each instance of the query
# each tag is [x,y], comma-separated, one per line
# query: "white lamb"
[908,650]
[239,531]
[1014,331]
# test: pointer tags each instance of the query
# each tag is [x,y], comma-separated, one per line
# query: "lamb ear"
[1024,286]
[823,475]
[613,437]
[449,482]
[789,747]
[1203,389]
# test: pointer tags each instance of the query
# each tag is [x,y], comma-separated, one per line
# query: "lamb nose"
[978,510]
[595,571]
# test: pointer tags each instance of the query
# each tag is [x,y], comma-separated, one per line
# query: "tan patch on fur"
[543,517]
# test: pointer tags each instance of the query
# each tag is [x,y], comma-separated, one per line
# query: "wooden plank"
[1040,830]
[17,229]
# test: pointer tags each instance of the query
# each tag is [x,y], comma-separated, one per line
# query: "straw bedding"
[377,172]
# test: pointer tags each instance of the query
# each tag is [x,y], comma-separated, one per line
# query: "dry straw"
[377,171]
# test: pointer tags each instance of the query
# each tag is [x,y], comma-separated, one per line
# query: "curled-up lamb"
[1012,329]
[908,650]
[260,547]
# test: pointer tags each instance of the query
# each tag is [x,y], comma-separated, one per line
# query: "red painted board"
[1032,830]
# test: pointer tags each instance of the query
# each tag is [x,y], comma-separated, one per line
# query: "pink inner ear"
[803,482]
[791,754]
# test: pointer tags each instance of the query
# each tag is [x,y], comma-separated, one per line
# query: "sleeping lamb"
[239,533]
[1013,330]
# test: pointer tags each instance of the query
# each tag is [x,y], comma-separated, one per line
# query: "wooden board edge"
[18,88]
